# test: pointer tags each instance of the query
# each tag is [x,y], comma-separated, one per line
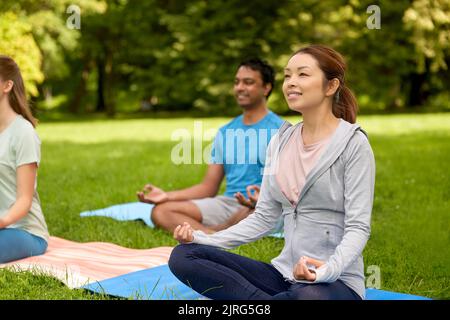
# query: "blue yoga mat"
[141,211]
[156,283]
[159,283]
[374,294]
[125,212]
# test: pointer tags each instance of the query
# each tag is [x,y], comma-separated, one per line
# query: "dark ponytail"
[333,66]
[345,105]
[17,97]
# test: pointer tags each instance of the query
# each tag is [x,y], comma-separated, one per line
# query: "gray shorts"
[217,210]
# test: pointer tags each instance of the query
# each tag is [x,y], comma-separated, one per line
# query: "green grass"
[93,164]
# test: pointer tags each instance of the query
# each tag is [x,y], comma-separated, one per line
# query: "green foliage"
[183,55]
[430,25]
[17,42]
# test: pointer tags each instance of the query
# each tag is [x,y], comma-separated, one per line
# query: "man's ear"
[332,87]
[267,88]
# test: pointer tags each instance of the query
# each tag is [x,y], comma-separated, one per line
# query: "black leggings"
[221,275]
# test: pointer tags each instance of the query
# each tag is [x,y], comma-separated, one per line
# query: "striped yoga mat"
[78,264]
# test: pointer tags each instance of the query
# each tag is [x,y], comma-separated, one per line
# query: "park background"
[111,81]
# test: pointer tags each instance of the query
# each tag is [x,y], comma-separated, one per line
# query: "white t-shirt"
[19,145]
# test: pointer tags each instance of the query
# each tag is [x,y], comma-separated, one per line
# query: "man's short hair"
[266,71]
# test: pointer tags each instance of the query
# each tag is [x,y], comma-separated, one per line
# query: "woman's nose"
[291,82]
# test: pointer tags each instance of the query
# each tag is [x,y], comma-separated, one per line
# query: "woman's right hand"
[152,194]
[183,233]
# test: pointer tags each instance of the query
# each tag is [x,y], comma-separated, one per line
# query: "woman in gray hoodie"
[320,177]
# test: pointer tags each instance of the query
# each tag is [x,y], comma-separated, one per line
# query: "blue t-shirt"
[241,149]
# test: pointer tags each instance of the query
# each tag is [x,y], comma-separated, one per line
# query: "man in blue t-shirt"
[238,155]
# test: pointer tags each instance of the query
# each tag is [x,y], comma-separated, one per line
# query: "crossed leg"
[169,215]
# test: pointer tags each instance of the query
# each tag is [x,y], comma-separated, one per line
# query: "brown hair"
[333,66]
[17,97]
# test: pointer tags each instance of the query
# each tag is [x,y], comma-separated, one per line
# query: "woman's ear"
[333,86]
[7,86]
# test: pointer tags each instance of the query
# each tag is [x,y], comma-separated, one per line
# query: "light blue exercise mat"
[139,211]
[374,294]
[159,283]
[125,212]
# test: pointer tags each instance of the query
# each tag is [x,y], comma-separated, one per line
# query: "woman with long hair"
[23,231]
[320,177]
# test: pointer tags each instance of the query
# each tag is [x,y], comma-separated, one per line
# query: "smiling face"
[249,89]
[304,83]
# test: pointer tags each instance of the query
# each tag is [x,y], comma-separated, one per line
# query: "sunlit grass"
[93,164]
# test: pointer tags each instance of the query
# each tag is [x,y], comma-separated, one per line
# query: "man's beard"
[250,106]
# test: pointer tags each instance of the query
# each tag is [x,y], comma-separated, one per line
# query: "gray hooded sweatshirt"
[331,221]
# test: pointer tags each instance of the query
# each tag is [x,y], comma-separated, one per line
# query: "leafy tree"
[183,55]
[16,41]
[429,26]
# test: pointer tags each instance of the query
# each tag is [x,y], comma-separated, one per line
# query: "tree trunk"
[418,91]
[417,95]
[109,85]
[105,85]
[100,86]
[80,91]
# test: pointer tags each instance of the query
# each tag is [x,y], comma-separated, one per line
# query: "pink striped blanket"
[77,264]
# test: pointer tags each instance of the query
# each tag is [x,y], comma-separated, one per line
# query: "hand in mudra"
[152,194]
[252,194]
[305,268]
[183,233]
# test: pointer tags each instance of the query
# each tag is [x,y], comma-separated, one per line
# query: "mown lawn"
[94,164]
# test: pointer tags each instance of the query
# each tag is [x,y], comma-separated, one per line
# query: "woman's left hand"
[303,271]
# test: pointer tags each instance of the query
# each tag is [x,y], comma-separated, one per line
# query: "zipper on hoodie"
[294,231]
[295,218]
